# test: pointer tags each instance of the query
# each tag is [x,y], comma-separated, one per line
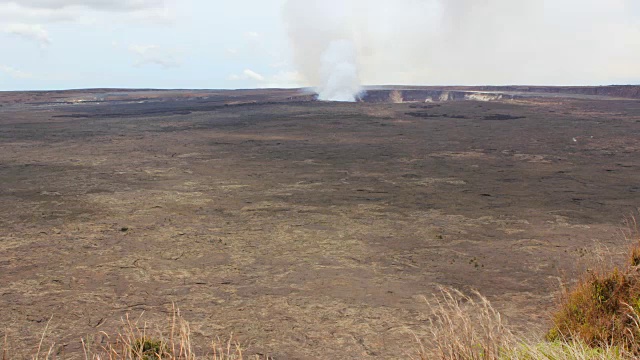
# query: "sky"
[63,44]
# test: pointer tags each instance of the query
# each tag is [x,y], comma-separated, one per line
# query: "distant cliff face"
[620,91]
[494,93]
[430,95]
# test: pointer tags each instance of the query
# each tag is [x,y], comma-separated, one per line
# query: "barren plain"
[307,229]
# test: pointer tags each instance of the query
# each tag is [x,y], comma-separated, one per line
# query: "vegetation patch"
[602,309]
[150,349]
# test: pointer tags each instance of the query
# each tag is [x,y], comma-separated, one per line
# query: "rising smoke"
[339,79]
[340,44]
[324,45]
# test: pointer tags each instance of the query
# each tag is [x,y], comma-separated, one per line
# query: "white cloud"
[283,79]
[15,73]
[154,54]
[30,32]
[247,74]
[13,12]
[104,5]
[81,11]
[250,74]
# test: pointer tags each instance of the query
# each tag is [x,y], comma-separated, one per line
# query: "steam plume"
[339,73]
[462,42]
[324,46]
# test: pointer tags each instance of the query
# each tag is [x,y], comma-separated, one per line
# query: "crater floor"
[306,229]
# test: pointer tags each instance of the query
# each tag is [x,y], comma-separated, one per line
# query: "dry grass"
[571,350]
[598,319]
[602,309]
[468,328]
[137,341]
[462,328]
[465,328]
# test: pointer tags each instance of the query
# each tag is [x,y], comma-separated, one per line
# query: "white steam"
[325,46]
[339,73]
[462,42]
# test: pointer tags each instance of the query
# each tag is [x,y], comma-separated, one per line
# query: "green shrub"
[150,349]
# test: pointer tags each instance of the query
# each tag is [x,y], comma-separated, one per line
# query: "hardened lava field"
[306,229]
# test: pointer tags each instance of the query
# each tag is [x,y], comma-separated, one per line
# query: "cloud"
[247,74]
[250,74]
[468,42]
[101,5]
[15,13]
[34,33]
[154,54]
[283,79]
[47,11]
[15,73]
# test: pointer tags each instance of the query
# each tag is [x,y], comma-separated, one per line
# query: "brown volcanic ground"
[307,229]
